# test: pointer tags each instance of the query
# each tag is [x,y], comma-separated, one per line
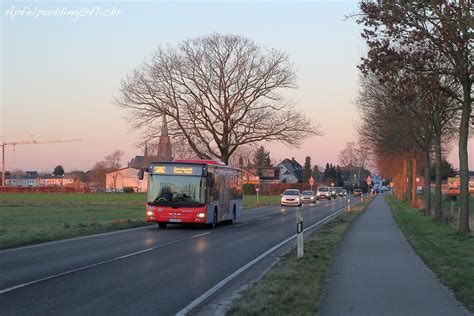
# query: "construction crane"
[28,142]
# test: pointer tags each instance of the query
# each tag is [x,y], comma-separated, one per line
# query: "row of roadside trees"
[416,92]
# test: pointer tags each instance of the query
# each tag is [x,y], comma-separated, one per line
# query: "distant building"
[32,179]
[128,177]
[125,178]
[269,175]
[290,171]
[250,176]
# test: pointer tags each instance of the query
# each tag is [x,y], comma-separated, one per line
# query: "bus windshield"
[171,190]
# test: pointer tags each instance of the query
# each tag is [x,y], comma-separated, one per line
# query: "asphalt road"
[144,271]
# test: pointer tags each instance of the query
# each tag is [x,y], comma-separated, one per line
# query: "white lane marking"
[75,238]
[199,235]
[241,224]
[229,278]
[99,263]
[263,218]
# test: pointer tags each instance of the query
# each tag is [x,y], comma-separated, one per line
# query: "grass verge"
[449,255]
[452,208]
[295,286]
[251,200]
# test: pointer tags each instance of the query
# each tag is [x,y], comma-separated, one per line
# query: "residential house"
[290,171]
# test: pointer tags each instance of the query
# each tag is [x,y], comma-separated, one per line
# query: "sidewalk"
[376,272]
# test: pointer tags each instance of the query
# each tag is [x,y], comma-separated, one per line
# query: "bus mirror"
[210,180]
[141,174]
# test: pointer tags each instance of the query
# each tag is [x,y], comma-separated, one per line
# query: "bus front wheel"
[162,225]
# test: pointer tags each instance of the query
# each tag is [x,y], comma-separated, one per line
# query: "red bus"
[193,191]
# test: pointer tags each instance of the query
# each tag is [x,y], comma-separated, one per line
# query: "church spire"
[164,143]
[145,154]
[164,127]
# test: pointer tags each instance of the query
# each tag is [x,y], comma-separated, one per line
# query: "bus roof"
[200,161]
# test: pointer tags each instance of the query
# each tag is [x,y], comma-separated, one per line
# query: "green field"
[138,198]
[32,218]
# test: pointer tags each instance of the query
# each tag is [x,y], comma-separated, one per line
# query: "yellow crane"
[28,142]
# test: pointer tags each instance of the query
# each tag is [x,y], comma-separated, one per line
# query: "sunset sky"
[60,74]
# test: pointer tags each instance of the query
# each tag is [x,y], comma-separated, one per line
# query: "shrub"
[128,190]
[249,188]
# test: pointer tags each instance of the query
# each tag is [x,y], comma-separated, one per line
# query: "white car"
[291,197]
[323,193]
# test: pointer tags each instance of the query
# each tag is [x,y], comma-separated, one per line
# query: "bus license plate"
[175,220]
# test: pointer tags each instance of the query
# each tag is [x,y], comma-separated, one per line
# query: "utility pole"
[29,142]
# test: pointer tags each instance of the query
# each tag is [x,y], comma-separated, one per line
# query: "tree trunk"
[409,178]
[463,160]
[438,214]
[414,174]
[404,179]
[427,188]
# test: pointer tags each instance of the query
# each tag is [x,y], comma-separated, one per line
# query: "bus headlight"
[201,215]
[149,213]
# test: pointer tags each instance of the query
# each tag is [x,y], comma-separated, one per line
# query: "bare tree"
[242,157]
[113,163]
[442,27]
[347,156]
[219,92]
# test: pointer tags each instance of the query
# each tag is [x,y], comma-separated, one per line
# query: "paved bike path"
[376,272]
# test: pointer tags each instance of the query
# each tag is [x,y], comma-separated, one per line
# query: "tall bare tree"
[219,92]
[355,156]
[347,156]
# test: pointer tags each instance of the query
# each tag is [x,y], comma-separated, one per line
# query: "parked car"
[308,196]
[291,197]
[357,192]
[323,193]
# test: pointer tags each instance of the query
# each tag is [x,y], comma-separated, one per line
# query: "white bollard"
[299,236]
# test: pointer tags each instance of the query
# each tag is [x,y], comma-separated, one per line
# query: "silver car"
[291,197]
[308,196]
